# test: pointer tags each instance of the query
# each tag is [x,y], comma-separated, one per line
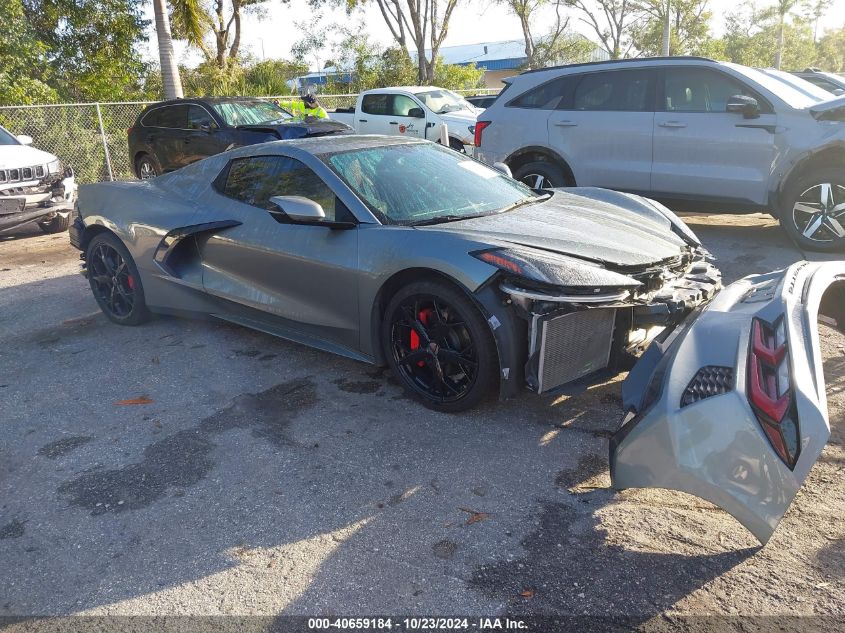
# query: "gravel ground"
[263,477]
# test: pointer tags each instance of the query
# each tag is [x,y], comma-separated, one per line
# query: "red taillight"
[128,130]
[479,128]
[770,388]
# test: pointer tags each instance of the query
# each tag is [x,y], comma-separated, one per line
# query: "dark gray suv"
[679,129]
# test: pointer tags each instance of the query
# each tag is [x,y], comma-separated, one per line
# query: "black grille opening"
[708,381]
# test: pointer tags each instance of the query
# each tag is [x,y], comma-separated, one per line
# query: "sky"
[272,35]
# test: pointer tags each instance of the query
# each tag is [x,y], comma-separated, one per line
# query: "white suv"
[679,129]
[34,186]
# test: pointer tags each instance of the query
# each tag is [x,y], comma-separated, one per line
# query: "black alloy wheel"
[439,346]
[115,281]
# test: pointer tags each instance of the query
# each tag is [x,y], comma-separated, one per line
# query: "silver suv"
[679,129]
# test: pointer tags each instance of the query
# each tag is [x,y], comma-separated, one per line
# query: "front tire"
[115,281]
[439,346]
[57,224]
[813,210]
[541,175]
[146,167]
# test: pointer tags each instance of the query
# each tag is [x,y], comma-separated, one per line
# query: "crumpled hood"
[580,226]
[14,156]
[300,129]
[830,109]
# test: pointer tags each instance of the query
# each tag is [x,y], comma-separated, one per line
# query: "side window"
[197,116]
[257,179]
[615,91]
[375,104]
[402,104]
[701,90]
[175,116]
[548,96]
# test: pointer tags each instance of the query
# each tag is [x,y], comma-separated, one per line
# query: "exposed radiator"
[574,345]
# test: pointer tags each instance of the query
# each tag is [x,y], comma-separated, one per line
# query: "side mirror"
[24,139]
[416,113]
[504,169]
[205,126]
[838,92]
[299,209]
[746,106]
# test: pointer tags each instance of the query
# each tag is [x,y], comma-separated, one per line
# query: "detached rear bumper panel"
[731,407]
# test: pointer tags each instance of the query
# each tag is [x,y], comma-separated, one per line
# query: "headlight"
[555,270]
[54,166]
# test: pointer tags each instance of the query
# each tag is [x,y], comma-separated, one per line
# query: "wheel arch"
[511,348]
[829,156]
[390,287]
[539,153]
[91,232]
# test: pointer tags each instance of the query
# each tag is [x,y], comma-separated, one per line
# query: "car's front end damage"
[584,319]
[35,193]
[725,395]
[730,406]
[579,309]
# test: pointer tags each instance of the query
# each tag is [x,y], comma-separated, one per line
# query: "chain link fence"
[92,137]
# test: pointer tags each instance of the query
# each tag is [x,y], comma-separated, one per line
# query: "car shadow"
[23,232]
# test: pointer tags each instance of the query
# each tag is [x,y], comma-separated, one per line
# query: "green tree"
[24,72]
[420,25]
[689,22]
[215,27]
[558,44]
[751,36]
[830,51]
[783,8]
[91,46]
[611,21]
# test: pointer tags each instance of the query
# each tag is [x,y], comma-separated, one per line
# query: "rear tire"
[115,281]
[146,167]
[542,175]
[808,212]
[456,145]
[439,346]
[57,224]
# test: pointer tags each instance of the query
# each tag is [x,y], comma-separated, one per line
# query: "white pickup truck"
[417,111]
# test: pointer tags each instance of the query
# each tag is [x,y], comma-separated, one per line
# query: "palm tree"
[783,8]
[169,70]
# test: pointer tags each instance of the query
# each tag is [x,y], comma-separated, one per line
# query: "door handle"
[565,123]
[394,123]
[362,120]
[672,124]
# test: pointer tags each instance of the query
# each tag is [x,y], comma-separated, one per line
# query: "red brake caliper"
[415,338]
[130,281]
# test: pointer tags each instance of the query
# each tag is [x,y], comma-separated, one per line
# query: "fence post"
[105,142]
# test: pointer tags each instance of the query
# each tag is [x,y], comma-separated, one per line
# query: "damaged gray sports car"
[466,283]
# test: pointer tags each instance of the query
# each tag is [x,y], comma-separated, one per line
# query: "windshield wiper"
[523,202]
[445,218]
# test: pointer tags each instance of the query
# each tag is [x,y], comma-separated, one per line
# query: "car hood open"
[573,222]
[300,129]
[830,109]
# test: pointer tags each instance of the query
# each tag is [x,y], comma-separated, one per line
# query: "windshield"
[7,139]
[237,113]
[442,101]
[796,92]
[424,183]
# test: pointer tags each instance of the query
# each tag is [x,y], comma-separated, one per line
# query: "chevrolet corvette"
[467,283]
